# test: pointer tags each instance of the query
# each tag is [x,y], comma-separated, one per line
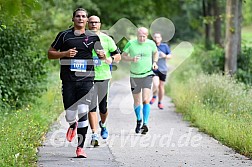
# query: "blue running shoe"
[94,140]
[104,131]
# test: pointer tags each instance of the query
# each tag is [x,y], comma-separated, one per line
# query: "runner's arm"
[155,59]
[126,57]
[54,54]
[116,55]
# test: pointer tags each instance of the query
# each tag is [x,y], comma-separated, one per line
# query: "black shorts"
[76,93]
[161,75]
[138,83]
[101,92]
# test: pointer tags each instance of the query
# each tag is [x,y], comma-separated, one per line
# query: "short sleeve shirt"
[162,65]
[143,67]
[102,69]
[84,44]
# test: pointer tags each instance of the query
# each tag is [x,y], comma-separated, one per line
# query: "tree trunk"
[206,4]
[217,23]
[231,48]
[239,27]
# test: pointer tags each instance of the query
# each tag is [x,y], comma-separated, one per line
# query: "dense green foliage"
[16,8]
[247,15]
[22,65]
[212,61]
[244,72]
[184,15]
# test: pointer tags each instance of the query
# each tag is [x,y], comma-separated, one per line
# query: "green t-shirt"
[102,70]
[143,67]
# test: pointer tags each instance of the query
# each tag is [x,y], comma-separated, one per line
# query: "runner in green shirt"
[102,79]
[143,55]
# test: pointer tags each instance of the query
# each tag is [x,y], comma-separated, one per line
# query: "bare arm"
[116,58]
[155,59]
[108,60]
[54,54]
[169,56]
[163,55]
[126,57]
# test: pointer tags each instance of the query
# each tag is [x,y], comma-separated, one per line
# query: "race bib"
[97,61]
[78,65]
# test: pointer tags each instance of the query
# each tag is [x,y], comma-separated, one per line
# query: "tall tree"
[232,35]
[240,19]
[217,23]
[207,6]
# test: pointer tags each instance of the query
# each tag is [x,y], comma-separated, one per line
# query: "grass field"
[23,130]
[247,35]
[216,104]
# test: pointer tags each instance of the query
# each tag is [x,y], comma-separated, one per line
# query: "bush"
[22,65]
[244,71]
[211,61]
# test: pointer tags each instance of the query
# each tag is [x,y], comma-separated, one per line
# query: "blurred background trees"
[27,28]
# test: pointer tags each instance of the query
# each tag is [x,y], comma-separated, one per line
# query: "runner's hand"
[136,58]
[101,54]
[154,66]
[71,52]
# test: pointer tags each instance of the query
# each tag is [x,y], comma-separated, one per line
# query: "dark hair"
[79,9]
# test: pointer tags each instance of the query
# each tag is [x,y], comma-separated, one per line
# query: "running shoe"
[94,140]
[80,153]
[160,106]
[104,131]
[153,100]
[71,132]
[144,129]
[138,126]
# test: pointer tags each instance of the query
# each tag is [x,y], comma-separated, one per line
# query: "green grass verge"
[247,35]
[22,131]
[216,104]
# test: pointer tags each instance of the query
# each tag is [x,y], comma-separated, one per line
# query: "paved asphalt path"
[170,142]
